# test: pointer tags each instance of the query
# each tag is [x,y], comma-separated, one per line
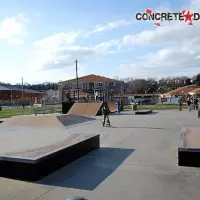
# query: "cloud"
[178,53]
[109,26]
[57,40]
[13,26]
[15,41]
[59,50]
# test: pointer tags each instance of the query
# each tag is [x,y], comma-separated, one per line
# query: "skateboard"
[106,124]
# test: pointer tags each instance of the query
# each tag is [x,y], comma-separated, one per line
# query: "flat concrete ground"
[137,161]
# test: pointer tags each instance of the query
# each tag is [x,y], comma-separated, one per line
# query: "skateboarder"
[105,113]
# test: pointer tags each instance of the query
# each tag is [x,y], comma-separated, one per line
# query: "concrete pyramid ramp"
[68,120]
[51,121]
[88,109]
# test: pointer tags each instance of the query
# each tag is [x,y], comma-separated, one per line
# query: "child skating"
[106,120]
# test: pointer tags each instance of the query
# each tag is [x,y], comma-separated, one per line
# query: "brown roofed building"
[10,95]
[89,85]
[196,92]
[183,90]
[92,78]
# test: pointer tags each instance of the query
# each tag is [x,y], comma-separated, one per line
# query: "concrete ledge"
[35,168]
[143,112]
[189,157]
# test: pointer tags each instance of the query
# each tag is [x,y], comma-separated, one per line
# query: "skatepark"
[137,158]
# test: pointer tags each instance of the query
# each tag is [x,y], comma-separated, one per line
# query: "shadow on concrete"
[90,171]
[137,127]
[133,113]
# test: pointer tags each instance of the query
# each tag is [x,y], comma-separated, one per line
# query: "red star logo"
[188,16]
[157,24]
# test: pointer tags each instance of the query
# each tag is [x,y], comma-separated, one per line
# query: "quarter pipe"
[91,108]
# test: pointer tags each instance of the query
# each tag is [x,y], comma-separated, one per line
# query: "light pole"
[61,93]
[22,88]
[11,96]
[77,79]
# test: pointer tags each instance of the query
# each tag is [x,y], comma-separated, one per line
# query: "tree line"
[132,85]
[37,87]
[151,85]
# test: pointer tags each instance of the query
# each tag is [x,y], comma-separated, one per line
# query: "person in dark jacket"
[189,102]
[180,103]
[196,102]
[105,113]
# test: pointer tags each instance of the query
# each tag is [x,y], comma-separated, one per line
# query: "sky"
[40,40]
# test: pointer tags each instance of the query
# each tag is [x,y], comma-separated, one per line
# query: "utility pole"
[22,88]
[77,78]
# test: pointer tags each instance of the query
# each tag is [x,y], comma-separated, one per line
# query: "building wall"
[50,93]
[91,88]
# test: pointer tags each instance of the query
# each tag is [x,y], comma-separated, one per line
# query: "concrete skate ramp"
[32,147]
[112,106]
[192,138]
[88,109]
[189,147]
[52,121]
[31,153]
[78,109]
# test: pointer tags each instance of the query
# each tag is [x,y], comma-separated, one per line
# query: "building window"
[74,85]
[80,85]
[111,84]
[99,84]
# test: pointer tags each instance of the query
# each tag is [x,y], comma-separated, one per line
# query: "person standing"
[196,102]
[118,105]
[188,101]
[180,103]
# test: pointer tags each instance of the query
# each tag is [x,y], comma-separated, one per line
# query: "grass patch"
[14,112]
[10,112]
[156,107]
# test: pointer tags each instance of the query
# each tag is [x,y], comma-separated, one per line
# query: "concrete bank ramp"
[47,121]
[91,108]
[88,109]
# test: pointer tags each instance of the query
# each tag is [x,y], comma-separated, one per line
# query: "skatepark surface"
[137,160]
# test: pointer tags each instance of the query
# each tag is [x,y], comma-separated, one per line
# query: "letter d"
[196,16]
